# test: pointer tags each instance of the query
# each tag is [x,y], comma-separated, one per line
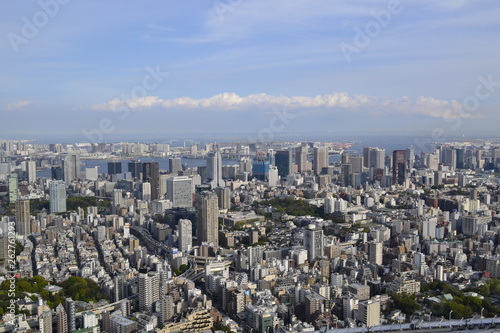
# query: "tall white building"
[369,313]
[375,252]
[214,170]
[57,192]
[185,241]
[429,229]
[146,191]
[313,242]
[149,290]
[180,191]
[420,263]
[31,171]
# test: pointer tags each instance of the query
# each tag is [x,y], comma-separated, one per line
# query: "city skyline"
[232,66]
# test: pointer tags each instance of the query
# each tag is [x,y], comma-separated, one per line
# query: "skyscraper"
[283,161]
[151,174]
[71,312]
[214,170]
[375,252]
[57,192]
[13,187]
[313,242]
[174,165]
[62,319]
[185,240]
[301,158]
[320,159]
[208,217]
[135,168]
[399,167]
[23,217]
[71,167]
[180,191]
[149,290]
[31,171]
[114,167]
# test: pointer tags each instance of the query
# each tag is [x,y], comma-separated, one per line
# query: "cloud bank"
[18,105]
[335,102]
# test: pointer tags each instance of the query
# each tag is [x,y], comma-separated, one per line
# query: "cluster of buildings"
[184,248]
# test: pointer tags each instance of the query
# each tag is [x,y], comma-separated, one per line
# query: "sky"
[102,71]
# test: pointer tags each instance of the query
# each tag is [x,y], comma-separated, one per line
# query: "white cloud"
[18,105]
[337,101]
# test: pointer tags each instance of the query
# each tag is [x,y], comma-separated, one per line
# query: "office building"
[13,182]
[313,242]
[151,174]
[185,240]
[57,192]
[135,169]
[71,167]
[207,205]
[375,252]
[174,165]
[284,162]
[320,159]
[30,171]
[180,191]
[301,158]
[23,217]
[214,170]
[114,167]
[399,167]
[224,196]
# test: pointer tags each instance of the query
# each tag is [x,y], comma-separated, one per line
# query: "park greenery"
[77,288]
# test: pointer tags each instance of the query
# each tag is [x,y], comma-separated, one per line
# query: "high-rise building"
[149,290]
[399,167]
[346,173]
[71,312]
[62,319]
[185,240]
[369,313]
[207,205]
[174,165]
[357,163]
[71,167]
[23,217]
[320,159]
[146,191]
[375,252]
[283,161]
[45,322]
[313,242]
[180,191]
[114,167]
[57,192]
[224,196]
[89,319]
[301,157]
[420,263]
[57,173]
[151,174]
[31,171]
[135,169]
[214,170]
[13,182]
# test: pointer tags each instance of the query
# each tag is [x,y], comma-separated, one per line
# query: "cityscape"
[249,166]
[249,237]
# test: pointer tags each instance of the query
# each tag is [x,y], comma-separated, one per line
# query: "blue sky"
[232,64]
